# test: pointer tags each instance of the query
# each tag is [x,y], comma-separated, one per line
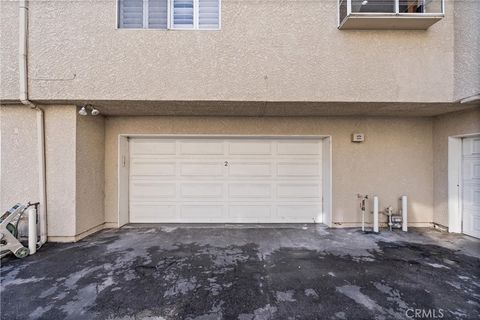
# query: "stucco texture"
[265,51]
[454,124]
[395,159]
[60,135]
[90,173]
[74,166]
[19,156]
[467,48]
[9,84]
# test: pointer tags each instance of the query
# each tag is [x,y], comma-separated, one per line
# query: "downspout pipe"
[23,97]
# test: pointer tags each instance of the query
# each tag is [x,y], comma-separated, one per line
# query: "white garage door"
[471,186]
[225,180]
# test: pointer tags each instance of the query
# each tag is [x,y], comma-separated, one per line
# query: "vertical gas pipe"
[32,229]
[404,213]
[375,214]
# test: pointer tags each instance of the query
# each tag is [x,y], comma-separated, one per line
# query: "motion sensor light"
[95,112]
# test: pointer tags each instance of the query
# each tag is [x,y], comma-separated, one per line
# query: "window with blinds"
[182,15]
[157,14]
[208,14]
[130,14]
[169,14]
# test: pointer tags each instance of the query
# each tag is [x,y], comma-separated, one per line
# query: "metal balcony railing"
[389,14]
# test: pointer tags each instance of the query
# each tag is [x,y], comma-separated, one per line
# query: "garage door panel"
[202,212]
[208,169]
[151,168]
[250,190]
[250,148]
[299,147]
[302,213]
[151,147]
[201,147]
[152,190]
[250,213]
[249,169]
[202,190]
[303,191]
[147,213]
[298,169]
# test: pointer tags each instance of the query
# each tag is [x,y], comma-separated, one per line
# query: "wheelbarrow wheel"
[21,253]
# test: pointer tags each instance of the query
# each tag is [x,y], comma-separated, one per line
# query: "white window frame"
[195,17]
[145,13]
[169,18]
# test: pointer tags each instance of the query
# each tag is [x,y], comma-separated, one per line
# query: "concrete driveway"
[247,272]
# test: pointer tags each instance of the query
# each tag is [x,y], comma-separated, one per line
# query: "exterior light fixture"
[84,110]
[95,112]
[364,2]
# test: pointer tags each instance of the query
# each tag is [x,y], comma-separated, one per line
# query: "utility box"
[358,137]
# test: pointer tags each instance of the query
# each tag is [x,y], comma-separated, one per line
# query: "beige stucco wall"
[395,159]
[452,124]
[467,48]
[266,50]
[19,169]
[19,158]
[60,135]
[90,172]
[400,155]
[74,167]
[9,86]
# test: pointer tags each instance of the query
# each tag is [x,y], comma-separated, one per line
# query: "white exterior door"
[244,180]
[471,186]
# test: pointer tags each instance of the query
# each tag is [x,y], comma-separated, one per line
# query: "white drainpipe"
[23,88]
